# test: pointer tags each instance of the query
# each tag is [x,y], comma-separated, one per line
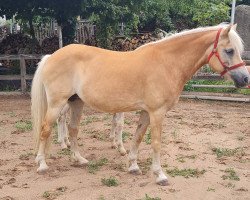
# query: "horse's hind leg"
[140,131]
[62,128]
[76,108]
[116,132]
[44,140]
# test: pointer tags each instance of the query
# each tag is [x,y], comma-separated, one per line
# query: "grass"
[175,136]
[94,166]
[188,86]
[23,125]
[54,194]
[101,197]
[147,197]
[66,152]
[230,174]
[89,120]
[182,158]
[230,185]
[126,121]
[25,156]
[125,136]
[145,165]
[148,136]
[222,152]
[110,182]
[12,114]
[186,173]
[210,189]
[241,138]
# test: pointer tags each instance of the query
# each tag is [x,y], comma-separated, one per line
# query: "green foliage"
[55,193]
[125,135]
[185,172]
[211,12]
[66,152]
[107,14]
[112,181]
[222,152]
[143,15]
[94,166]
[230,174]
[147,197]
[23,125]
[148,136]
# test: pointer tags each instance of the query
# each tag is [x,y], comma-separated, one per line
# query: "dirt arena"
[205,154]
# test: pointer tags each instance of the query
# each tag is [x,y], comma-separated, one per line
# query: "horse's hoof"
[135,172]
[80,162]
[163,182]
[114,146]
[42,170]
[83,163]
[123,152]
[64,146]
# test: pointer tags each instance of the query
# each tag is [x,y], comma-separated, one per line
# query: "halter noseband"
[215,52]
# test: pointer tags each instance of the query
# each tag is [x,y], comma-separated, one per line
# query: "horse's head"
[225,56]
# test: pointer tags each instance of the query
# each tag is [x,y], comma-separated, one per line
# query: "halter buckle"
[214,50]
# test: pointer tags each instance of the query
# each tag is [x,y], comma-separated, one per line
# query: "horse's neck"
[187,54]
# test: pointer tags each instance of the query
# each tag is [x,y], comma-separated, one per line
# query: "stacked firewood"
[50,45]
[128,44]
[18,44]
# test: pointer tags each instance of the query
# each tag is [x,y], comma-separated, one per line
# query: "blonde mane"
[233,36]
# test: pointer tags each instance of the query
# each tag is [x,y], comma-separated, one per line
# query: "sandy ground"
[193,132]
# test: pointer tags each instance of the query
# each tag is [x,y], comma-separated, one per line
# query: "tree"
[25,10]
[107,14]
[65,12]
[211,12]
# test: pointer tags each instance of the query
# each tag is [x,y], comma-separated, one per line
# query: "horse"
[115,134]
[149,79]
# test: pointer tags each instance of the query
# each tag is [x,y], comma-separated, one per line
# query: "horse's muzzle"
[240,81]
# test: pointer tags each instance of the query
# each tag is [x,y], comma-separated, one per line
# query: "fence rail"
[23,77]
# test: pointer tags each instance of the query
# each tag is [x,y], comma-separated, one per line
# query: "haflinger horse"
[115,134]
[149,79]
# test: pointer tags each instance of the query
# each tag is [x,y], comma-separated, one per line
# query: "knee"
[45,132]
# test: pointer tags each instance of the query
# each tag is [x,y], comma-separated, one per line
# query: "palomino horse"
[115,134]
[149,78]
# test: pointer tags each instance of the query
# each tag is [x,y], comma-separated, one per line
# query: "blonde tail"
[38,101]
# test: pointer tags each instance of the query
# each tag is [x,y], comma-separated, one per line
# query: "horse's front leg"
[116,132]
[156,119]
[140,131]
[62,128]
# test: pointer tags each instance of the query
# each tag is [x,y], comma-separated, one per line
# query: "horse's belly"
[111,102]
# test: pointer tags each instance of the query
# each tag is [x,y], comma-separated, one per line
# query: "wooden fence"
[24,77]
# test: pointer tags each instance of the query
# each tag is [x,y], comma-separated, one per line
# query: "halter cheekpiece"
[216,53]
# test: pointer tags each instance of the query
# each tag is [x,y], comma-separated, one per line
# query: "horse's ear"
[234,27]
[226,30]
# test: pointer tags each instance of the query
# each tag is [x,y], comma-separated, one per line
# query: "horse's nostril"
[246,79]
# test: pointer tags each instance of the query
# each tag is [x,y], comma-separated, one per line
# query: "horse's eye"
[229,51]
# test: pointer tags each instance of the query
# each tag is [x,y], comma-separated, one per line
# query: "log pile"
[50,45]
[18,44]
[128,44]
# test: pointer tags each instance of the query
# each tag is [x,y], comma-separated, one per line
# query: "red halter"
[215,52]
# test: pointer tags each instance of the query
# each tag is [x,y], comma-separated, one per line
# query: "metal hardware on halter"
[216,53]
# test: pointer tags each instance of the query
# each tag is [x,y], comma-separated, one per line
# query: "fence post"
[23,74]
